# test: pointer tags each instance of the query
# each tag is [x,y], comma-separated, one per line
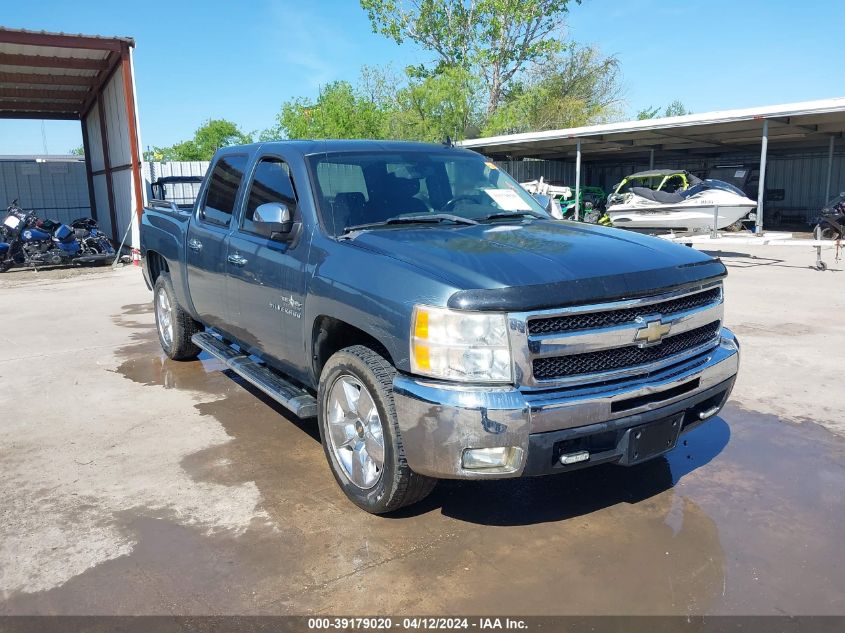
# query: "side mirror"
[274,220]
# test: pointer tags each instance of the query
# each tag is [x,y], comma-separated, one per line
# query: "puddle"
[744,516]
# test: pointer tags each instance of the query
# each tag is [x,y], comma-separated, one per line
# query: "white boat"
[691,210]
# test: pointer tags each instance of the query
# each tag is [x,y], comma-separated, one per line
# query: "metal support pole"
[577,179]
[761,187]
[713,233]
[829,171]
[651,158]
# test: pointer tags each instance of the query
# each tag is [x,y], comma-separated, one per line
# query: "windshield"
[657,182]
[364,188]
[712,184]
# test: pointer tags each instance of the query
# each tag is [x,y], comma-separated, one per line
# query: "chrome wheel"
[164,316]
[355,431]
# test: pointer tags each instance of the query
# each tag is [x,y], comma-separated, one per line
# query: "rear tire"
[355,411]
[175,327]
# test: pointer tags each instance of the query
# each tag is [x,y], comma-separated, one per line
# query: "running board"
[295,399]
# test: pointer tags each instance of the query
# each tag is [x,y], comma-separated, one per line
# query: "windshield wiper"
[512,214]
[423,218]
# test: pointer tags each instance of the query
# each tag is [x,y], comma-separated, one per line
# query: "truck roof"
[308,147]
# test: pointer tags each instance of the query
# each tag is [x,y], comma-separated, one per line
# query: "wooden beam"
[603,139]
[54,116]
[104,133]
[42,61]
[101,80]
[787,121]
[60,40]
[40,106]
[53,80]
[37,93]
[100,172]
[132,124]
[692,139]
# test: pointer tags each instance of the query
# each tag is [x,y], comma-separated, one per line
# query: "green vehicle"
[559,200]
[668,180]
[591,205]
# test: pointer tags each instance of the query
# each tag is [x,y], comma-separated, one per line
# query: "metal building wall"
[802,177]
[109,147]
[554,171]
[101,122]
[56,187]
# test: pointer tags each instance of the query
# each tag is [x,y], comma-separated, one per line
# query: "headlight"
[456,345]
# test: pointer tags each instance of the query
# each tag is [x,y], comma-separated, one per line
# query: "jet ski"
[692,207]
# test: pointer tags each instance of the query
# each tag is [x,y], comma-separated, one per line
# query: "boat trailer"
[764,239]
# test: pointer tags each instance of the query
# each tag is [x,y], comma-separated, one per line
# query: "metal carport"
[805,125]
[90,79]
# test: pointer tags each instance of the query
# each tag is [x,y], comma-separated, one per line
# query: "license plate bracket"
[652,439]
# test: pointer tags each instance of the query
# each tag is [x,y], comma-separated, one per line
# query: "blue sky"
[241,60]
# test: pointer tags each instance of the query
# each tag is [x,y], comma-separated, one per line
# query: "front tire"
[360,434]
[175,327]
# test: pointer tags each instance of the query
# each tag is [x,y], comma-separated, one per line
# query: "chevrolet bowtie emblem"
[653,332]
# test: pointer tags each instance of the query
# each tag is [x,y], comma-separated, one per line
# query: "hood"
[541,263]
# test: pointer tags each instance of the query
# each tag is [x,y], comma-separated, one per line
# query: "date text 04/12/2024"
[412,623]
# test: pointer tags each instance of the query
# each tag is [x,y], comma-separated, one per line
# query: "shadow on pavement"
[558,497]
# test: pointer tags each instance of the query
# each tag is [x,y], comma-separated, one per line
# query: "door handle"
[236,259]
[195,245]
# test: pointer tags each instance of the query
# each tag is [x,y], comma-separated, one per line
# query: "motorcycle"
[29,241]
[93,240]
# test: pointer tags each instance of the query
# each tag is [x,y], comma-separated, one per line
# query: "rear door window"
[223,189]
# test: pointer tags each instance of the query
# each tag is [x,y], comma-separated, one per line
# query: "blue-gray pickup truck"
[433,317]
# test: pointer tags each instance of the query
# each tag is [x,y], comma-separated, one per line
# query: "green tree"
[492,39]
[78,151]
[208,138]
[579,87]
[340,111]
[650,112]
[676,108]
[434,107]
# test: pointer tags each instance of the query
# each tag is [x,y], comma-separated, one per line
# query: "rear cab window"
[223,187]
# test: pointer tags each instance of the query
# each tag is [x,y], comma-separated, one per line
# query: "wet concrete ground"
[243,516]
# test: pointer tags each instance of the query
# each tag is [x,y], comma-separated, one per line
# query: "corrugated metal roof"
[47,158]
[50,51]
[816,121]
[35,64]
[29,34]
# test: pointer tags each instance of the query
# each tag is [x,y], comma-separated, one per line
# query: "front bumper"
[440,420]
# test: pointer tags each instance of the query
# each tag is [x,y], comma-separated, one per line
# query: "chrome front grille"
[591,320]
[631,356]
[595,343]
